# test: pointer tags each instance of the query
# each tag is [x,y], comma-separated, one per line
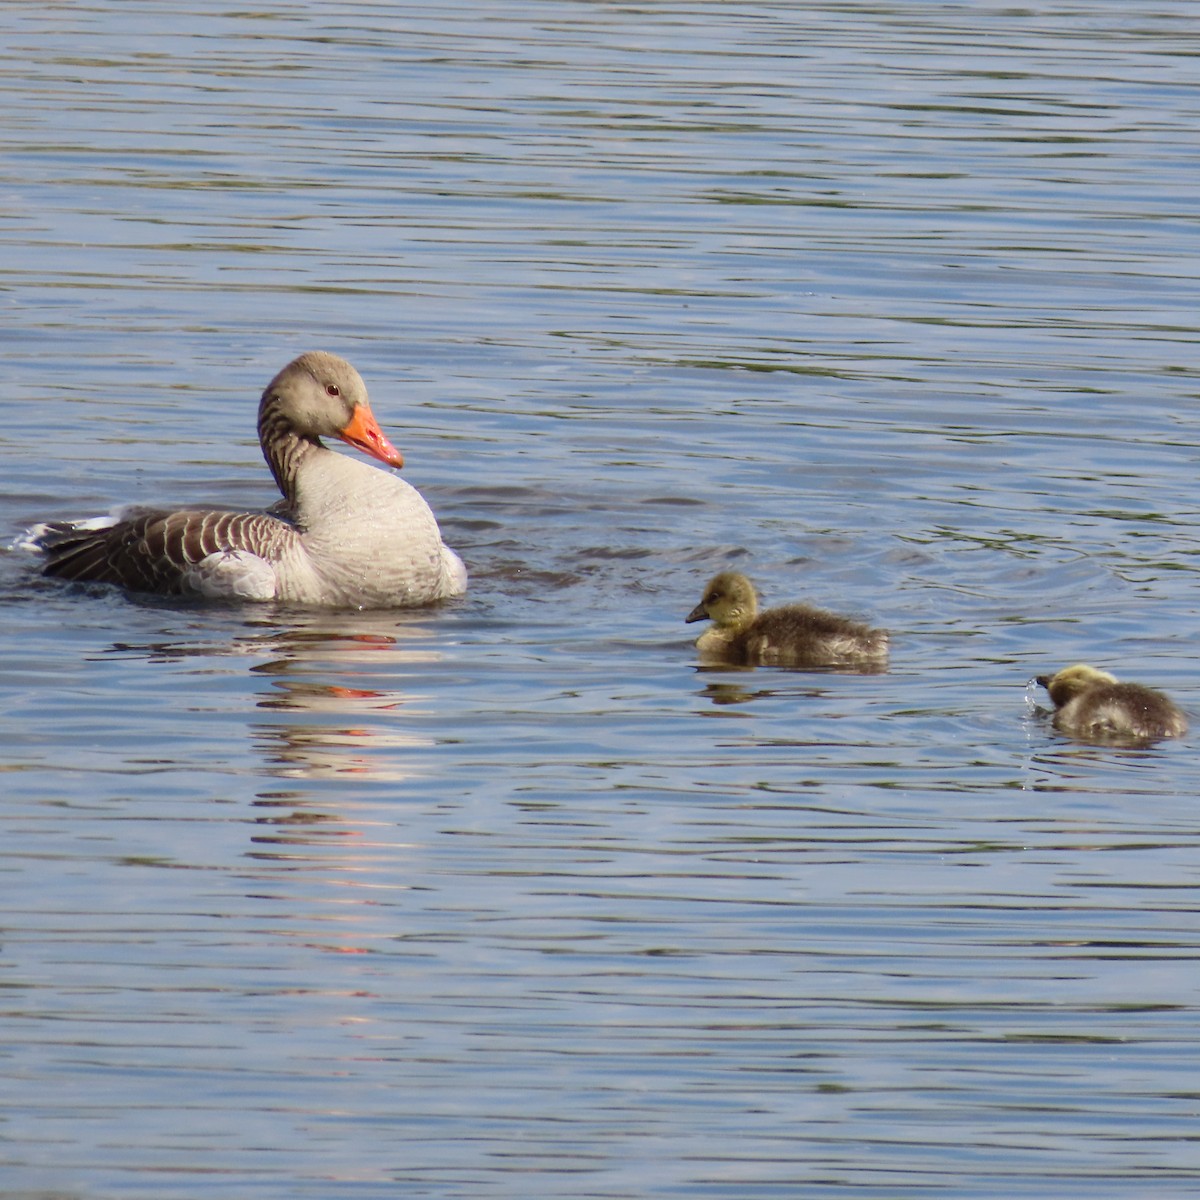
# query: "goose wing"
[203,551]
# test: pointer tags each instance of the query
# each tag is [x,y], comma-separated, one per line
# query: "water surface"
[891,306]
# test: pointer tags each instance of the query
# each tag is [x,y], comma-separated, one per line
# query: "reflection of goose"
[795,635]
[346,534]
[1094,706]
[336,693]
[339,700]
[326,732]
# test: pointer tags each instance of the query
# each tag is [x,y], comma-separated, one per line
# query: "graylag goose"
[346,534]
[1093,706]
[796,635]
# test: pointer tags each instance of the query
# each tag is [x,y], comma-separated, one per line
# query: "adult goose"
[346,534]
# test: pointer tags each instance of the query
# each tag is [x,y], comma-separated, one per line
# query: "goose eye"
[332,389]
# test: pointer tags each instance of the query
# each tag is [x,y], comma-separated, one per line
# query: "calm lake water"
[891,305]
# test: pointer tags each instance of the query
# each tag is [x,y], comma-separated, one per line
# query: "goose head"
[729,601]
[321,395]
[1070,682]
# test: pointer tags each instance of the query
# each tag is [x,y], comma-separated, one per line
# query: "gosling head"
[729,601]
[1070,682]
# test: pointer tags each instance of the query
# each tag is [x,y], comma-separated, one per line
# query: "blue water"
[893,307]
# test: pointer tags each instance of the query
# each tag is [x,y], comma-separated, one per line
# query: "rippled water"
[892,306]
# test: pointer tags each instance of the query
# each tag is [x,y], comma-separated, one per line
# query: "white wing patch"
[232,575]
[33,540]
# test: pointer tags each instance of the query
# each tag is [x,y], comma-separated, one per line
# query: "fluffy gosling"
[796,635]
[1093,706]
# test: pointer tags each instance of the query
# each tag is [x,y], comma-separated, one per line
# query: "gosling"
[796,635]
[1093,706]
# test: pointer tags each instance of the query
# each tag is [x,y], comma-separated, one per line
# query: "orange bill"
[362,431]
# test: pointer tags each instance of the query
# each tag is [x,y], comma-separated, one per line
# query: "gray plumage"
[345,533]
